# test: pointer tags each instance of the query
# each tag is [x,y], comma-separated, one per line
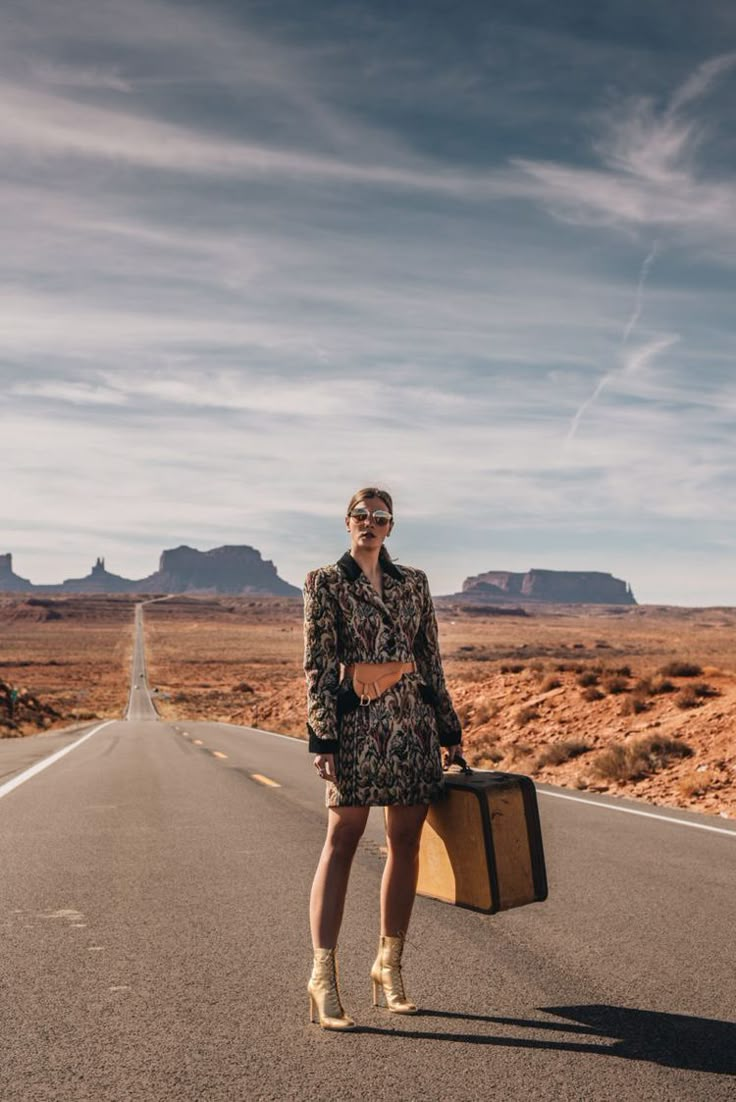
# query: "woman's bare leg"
[345,826]
[399,883]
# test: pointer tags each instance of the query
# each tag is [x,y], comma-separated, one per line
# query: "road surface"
[155,942]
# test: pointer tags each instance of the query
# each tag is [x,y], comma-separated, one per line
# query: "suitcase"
[481,845]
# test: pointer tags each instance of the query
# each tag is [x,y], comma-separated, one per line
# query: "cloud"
[247,269]
[647,175]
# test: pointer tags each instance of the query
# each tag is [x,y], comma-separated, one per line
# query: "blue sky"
[257,255]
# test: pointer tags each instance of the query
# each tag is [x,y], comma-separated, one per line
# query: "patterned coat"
[389,751]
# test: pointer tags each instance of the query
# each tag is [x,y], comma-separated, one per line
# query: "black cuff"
[319,745]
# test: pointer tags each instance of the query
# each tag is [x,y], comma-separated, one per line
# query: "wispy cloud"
[245,268]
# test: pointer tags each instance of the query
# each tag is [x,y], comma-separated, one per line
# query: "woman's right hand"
[325,766]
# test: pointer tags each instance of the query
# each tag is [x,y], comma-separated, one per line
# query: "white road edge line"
[558,795]
[634,811]
[45,762]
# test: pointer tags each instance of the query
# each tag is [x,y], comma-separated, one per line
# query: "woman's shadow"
[672,1040]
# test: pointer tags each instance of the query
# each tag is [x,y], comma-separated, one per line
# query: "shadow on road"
[672,1040]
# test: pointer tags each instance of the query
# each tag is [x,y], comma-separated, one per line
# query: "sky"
[257,255]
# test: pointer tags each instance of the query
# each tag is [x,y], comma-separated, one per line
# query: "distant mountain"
[233,570]
[588,587]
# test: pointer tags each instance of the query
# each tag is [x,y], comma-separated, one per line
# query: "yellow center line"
[217,754]
[264,780]
[197,742]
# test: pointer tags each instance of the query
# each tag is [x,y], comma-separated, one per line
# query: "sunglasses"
[380,516]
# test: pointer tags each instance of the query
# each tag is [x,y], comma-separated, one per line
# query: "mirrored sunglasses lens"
[381,519]
[360,515]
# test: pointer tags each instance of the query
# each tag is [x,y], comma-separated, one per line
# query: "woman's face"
[366,533]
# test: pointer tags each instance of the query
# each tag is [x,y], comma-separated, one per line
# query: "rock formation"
[10,582]
[590,587]
[98,580]
[237,569]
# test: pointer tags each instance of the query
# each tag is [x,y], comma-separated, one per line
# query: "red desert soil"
[71,655]
[627,729]
[574,697]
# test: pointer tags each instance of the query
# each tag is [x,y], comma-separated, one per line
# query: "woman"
[379,746]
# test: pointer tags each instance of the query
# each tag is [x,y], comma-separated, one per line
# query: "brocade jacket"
[346,622]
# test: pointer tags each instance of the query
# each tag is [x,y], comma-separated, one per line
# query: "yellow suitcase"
[481,845]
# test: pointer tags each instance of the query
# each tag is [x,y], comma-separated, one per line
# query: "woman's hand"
[450,752]
[325,766]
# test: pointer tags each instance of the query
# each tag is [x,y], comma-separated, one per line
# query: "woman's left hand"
[450,753]
[325,766]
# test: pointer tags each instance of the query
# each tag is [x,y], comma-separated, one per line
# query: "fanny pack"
[371,679]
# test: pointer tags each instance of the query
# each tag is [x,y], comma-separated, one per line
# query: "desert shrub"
[485,710]
[703,689]
[633,760]
[537,666]
[587,678]
[681,669]
[592,693]
[559,752]
[526,715]
[512,667]
[550,682]
[633,705]
[695,783]
[658,749]
[687,698]
[243,687]
[615,684]
[519,750]
[623,671]
[485,748]
[660,685]
[612,764]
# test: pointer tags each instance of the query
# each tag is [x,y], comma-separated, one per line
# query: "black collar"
[352,571]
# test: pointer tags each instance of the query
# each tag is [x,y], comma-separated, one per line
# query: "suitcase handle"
[457,765]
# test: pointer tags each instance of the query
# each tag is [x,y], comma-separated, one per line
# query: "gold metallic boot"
[386,976]
[324,997]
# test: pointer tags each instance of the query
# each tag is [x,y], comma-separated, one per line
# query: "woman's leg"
[345,826]
[399,884]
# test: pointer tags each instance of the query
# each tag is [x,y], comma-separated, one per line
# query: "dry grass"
[681,669]
[526,715]
[550,682]
[486,751]
[563,750]
[694,784]
[638,758]
[633,705]
[592,693]
[615,684]
[587,679]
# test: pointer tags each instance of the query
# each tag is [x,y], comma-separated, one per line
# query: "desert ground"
[67,658]
[629,701]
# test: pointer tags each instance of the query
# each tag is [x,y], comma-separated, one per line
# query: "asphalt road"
[155,943]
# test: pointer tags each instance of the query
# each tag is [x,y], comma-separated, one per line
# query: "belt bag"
[370,679]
